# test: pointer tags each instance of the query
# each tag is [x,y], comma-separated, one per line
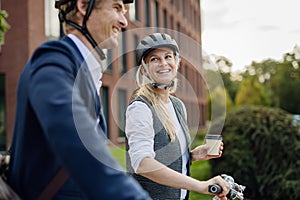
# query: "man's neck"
[82,38]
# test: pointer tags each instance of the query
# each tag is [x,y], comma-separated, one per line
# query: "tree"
[222,67]
[251,92]
[4,26]
[263,71]
[262,151]
[280,80]
[286,82]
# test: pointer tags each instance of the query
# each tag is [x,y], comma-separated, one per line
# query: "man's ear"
[81,7]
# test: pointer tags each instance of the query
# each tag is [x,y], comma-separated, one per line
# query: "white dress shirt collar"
[93,65]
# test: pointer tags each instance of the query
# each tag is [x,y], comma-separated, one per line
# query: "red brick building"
[30,24]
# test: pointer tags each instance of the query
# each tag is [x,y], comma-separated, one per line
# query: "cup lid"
[214,137]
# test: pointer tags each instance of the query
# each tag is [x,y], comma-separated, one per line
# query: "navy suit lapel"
[90,84]
[99,112]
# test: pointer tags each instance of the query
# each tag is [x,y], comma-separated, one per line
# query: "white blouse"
[140,133]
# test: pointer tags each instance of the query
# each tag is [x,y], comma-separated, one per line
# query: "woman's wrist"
[191,156]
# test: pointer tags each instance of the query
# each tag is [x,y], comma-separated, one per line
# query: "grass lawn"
[119,153]
[200,171]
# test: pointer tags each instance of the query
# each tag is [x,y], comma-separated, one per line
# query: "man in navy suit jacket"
[59,122]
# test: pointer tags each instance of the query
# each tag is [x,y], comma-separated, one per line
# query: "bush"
[262,152]
[4,26]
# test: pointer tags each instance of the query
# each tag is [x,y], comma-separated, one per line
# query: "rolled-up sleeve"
[140,133]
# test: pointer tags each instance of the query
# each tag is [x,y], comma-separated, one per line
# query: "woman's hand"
[223,184]
[200,152]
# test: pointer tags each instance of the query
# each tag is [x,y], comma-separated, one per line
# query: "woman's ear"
[143,70]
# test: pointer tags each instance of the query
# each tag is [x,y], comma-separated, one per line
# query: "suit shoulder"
[63,49]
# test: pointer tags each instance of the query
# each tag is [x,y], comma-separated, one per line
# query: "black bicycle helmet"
[154,41]
[82,28]
[61,2]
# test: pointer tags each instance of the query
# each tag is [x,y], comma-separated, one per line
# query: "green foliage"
[4,26]
[251,92]
[231,86]
[119,153]
[201,171]
[286,85]
[262,152]
[280,80]
[263,70]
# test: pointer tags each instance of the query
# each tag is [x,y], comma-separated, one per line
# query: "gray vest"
[167,152]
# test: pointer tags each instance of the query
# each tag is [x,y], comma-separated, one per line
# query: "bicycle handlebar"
[236,190]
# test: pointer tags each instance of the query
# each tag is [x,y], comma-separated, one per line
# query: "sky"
[250,30]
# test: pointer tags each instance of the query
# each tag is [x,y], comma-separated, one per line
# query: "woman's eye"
[169,57]
[153,59]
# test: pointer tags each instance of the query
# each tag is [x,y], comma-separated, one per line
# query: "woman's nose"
[163,62]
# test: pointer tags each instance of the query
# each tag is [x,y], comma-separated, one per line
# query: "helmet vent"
[163,36]
[144,42]
[153,37]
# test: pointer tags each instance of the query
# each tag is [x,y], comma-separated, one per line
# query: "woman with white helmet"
[157,134]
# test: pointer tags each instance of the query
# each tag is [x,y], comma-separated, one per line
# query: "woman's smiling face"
[162,65]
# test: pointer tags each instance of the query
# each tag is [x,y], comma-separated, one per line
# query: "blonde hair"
[146,91]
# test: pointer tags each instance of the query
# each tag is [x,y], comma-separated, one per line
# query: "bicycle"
[236,190]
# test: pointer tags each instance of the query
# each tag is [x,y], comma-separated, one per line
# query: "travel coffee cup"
[214,142]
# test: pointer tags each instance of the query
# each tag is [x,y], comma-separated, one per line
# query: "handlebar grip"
[215,189]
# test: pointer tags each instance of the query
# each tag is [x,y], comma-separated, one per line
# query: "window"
[105,105]
[183,9]
[2,114]
[109,60]
[178,34]
[122,109]
[157,13]
[133,11]
[177,2]
[124,52]
[171,23]
[52,25]
[147,14]
[165,18]
[136,42]
[186,75]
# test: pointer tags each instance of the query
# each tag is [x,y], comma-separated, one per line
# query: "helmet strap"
[153,83]
[83,29]
[162,86]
